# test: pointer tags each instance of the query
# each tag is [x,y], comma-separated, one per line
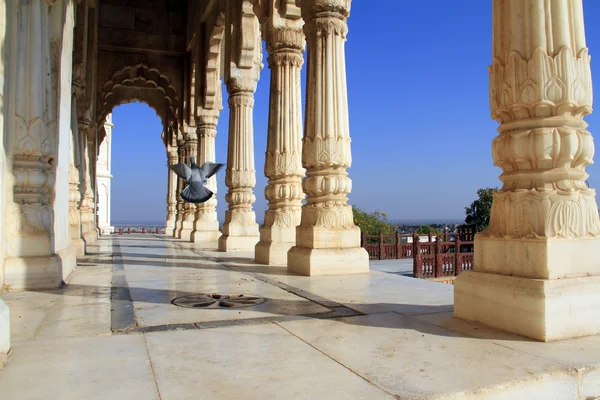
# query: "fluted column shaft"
[327,241]
[240,230]
[283,163]
[206,224]
[189,209]
[180,185]
[87,204]
[172,159]
[544,225]
[74,211]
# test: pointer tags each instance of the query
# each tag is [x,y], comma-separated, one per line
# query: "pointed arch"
[117,90]
[212,88]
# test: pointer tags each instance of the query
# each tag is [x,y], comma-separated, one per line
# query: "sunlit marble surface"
[373,336]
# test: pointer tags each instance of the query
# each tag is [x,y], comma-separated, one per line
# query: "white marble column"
[206,224]
[103,179]
[537,266]
[87,204]
[6,24]
[179,208]
[172,159]
[240,230]
[283,163]
[74,181]
[327,241]
[189,209]
[39,253]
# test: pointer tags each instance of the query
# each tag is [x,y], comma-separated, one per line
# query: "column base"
[275,242]
[208,237]
[89,238]
[89,235]
[318,262]
[31,273]
[272,253]
[541,258]
[169,227]
[4,332]
[106,230]
[177,228]
[185,233]
[237,243]
[78,246]
[541,309]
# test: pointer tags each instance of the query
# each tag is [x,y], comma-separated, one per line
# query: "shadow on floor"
[163,256]
[148,263]
[401,316]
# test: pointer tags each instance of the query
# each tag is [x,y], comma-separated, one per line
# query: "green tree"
[426,230]
[373,223]
[478,213]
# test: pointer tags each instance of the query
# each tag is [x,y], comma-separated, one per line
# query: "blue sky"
[419,117]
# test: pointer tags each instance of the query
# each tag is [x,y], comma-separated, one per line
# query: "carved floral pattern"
[327,216]
[549,214]
[542,86]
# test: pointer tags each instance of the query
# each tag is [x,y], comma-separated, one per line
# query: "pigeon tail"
[196,193]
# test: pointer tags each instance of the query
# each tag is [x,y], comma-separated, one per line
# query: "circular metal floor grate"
[216,300]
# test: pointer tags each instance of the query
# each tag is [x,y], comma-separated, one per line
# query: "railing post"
[458,258]
[363,241]
[381,247]
[429,236]
[398,246]
[445,234]
[438,254]
[417,269]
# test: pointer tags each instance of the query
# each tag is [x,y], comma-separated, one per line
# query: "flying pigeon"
[196,177]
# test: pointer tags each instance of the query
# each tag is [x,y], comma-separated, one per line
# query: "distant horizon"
[416,221]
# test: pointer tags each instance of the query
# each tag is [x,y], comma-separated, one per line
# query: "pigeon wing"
[196,192]
[208,169]
[182,171]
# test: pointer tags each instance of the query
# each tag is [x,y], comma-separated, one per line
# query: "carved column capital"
[314,8]
[325,17]
[189,134]
[207,119]
[241,99]
[285,38]
[241,84]
[172,157]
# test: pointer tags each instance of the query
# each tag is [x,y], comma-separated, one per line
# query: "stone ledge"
[542,309]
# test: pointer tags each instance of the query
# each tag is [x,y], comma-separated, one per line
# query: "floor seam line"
[152,367]
[334,360]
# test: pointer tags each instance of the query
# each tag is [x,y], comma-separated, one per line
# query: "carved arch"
[260,10]
[140,76]
[153,105]
[212,88]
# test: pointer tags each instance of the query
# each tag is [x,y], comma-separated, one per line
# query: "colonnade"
[535,271]
[319,238]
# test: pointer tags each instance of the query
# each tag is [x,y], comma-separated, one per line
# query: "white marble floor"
[113,333]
